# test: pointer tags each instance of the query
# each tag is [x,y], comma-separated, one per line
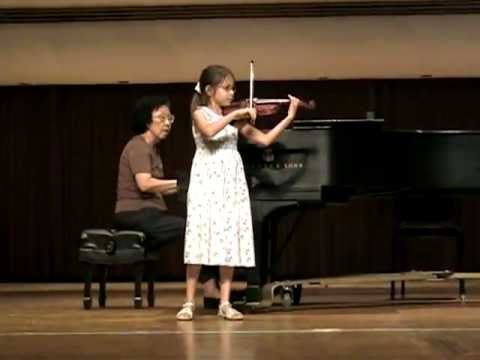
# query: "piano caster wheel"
[286,294]
[297,294]
[137,303]
[87,303]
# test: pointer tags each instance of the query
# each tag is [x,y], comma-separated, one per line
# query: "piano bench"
[417,230]
[103,249]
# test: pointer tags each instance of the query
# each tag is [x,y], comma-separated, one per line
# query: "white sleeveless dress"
[219,222]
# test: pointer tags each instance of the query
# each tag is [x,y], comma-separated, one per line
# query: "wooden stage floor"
[47,321]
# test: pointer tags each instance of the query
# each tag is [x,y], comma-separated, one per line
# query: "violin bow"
[250,99]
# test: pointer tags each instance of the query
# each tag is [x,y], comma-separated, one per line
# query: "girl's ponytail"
[195,102]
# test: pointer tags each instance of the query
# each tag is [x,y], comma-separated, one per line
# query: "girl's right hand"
[246,113]
[252,112]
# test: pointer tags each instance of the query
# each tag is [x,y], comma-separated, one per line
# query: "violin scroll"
[309,105]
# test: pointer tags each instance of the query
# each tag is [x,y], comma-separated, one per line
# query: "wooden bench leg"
[87,288]
[151,274]
[138,273]
[102,294]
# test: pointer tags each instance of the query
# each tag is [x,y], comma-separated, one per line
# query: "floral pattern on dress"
[219,222]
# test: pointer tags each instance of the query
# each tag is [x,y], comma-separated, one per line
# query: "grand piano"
[318,162]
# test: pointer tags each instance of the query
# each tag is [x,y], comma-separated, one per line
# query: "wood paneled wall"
[60,145]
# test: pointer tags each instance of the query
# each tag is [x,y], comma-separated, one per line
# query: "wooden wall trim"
[68,139]
[260,10]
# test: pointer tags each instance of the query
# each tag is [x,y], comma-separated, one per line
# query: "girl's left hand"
[292,109]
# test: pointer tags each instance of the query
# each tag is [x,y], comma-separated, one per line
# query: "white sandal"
[227,312]
[186,312]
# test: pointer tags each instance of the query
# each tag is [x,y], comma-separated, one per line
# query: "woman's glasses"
[170,118]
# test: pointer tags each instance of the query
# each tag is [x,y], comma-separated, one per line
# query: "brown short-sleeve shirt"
[138,157]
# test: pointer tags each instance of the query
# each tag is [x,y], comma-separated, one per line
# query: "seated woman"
[142,186]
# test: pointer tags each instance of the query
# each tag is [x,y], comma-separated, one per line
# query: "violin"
[266,107]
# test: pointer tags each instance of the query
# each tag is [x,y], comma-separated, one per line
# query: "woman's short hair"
[142,111]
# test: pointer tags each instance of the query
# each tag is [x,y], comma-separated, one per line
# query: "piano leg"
[259,275]
[263,214]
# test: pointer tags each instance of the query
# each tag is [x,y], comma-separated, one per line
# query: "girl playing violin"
[219,222]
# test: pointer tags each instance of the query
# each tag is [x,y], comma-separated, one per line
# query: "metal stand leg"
[462,290]
[459,266]
[392,290]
